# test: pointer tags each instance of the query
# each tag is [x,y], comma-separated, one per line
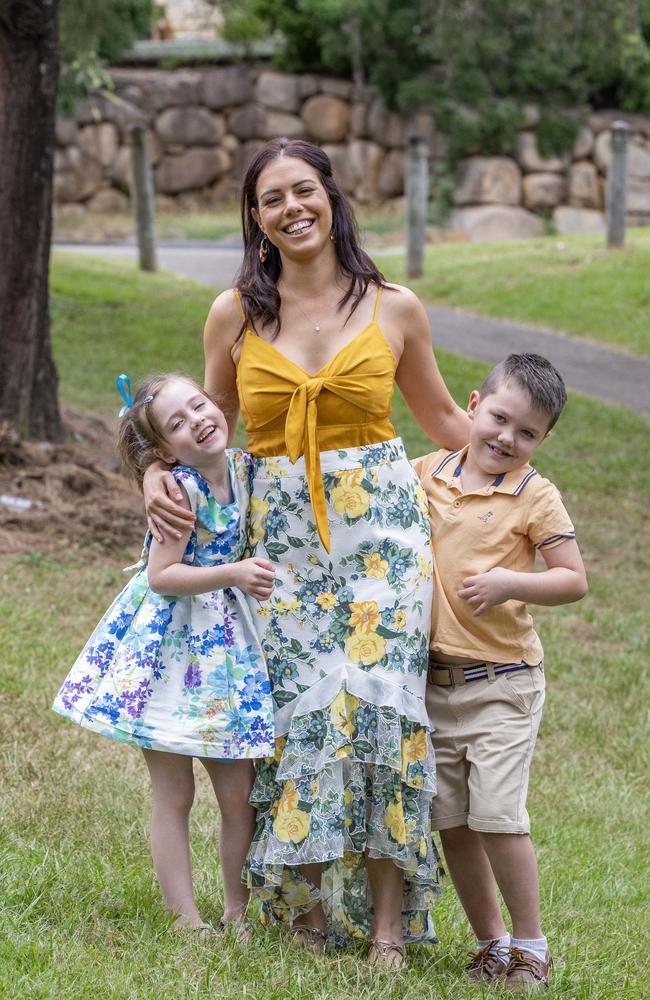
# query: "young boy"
[490,512]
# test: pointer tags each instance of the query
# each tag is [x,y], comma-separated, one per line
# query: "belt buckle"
[435,667]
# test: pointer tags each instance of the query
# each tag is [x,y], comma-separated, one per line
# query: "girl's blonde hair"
[139,432]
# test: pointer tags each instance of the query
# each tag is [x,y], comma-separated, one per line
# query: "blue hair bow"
[123,383]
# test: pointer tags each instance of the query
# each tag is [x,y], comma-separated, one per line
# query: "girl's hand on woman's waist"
[162,504]
[255,577]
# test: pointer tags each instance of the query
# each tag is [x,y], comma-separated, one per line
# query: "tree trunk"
[28,81]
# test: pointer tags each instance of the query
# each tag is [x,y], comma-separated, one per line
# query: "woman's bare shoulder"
[226,308]
[224,318]
[400,303]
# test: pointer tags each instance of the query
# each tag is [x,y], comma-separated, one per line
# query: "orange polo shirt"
[502,524]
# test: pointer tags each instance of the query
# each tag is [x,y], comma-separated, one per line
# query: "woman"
[310,345]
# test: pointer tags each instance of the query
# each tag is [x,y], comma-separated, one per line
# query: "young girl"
[184,676]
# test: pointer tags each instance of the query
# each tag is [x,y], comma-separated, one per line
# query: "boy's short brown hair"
[537,376]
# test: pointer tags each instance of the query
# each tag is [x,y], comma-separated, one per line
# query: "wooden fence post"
[417,198]
[143,196]
[617,185]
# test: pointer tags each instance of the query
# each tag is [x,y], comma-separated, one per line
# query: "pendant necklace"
[315,326]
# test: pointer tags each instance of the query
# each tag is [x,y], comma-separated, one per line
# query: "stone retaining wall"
[204,126]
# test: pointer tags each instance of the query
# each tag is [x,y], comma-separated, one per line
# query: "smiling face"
[293,209]
[194,429]
[506,429]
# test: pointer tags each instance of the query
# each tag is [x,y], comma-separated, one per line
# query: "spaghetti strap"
[377,301]
[239,303]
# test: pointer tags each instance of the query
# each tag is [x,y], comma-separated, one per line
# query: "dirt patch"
[67,493]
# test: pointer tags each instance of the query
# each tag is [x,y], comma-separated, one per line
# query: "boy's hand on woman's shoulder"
[486,590]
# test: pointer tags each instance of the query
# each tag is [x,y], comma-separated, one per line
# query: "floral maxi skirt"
[346,640]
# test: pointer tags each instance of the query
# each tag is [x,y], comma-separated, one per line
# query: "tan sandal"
[386,955]
[240,928]
[202,932]
[308,937]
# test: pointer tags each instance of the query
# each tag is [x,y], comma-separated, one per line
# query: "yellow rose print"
[341,711]
[257,516]
[353,929]
[399,828]
[365,649]
[364,617]
[425,567]
[350,477]
[352,501]
[295,894]
[395,821]
[376,567]
[399,619]
[421,499]
[291,826]
[290,823]
[282,607]
[326,601]
[415,748]
[280,744]
[289,797]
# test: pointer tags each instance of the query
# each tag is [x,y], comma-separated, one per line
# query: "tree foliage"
[475,63]
[91,35]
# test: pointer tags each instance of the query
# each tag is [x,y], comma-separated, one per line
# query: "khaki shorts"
[484,734]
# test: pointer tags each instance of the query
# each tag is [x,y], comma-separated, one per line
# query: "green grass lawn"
[379,226]
[570,283]
[108,227]
[110,318]
[81,913]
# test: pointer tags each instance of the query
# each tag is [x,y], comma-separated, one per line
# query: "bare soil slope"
[74,493]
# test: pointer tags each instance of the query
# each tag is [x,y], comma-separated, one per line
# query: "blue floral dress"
[180,674]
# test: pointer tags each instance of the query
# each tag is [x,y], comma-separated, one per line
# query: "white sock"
[535,946]
[500,949]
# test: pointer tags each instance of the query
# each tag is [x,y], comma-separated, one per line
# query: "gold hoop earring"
[263,251]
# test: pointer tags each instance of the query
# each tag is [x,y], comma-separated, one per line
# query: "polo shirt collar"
[513,482]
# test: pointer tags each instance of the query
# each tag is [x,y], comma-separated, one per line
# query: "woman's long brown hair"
[258,282]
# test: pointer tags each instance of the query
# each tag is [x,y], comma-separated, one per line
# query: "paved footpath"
[605,372]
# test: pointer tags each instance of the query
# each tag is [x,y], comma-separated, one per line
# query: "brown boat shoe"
[526,974]
[489,963]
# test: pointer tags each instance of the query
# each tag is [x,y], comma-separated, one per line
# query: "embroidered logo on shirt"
[485,517]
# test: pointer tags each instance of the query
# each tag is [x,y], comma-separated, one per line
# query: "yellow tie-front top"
[288,411]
